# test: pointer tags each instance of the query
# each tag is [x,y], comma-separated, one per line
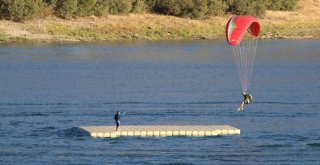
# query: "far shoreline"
[68,42]
[57,40]
[151,27]
[13,41]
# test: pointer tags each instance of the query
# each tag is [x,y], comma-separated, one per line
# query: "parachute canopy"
[237,27]
[244,50]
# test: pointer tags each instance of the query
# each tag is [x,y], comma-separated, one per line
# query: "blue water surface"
[48,90]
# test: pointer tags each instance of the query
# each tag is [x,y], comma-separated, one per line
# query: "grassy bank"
[302,23]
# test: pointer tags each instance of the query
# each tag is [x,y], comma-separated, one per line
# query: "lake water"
[48,90]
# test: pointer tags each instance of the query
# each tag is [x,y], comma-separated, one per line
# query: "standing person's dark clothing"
[117,119]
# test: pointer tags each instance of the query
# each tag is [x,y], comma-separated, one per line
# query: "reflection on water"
[48,90]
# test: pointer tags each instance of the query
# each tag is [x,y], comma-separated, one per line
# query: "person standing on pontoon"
[117,119]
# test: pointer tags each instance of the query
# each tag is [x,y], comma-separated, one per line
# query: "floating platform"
[159,130]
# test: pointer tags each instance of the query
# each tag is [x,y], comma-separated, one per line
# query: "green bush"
[139,6]
[216,7]
[151,5]
[120,6]
[174,7]
[246,7]
[200,8]
[187,8]
[51,2]
[282,5]
[167,7]
[101,8]
[66,9]
[260,9]
[86,7]
[20,10]
[14,10]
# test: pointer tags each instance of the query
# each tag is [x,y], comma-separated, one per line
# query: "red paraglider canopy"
[237,27]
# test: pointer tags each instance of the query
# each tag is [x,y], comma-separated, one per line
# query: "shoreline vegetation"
[301,23]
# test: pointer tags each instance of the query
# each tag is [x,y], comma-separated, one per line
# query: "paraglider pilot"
[247,99]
